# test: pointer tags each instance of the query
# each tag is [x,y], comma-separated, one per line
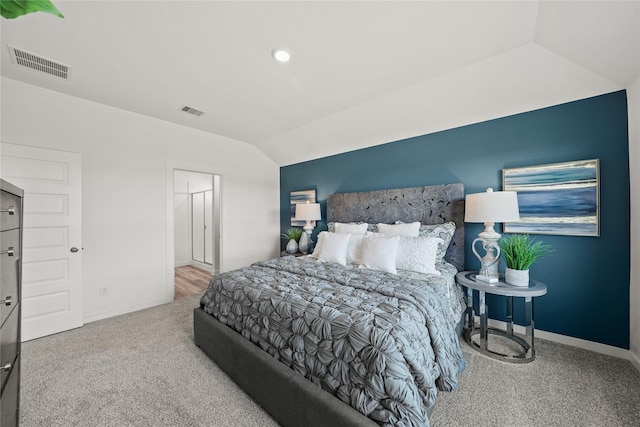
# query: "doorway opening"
[196,215]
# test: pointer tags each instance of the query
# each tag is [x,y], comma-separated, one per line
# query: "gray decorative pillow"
[444,231]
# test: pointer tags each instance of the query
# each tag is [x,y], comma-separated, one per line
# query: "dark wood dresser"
[10,298]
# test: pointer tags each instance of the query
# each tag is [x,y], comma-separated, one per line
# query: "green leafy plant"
[11,9]
[519,251]
[292,234]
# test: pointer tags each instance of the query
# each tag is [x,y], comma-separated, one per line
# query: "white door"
[52,243]
[197,226]
[208,227]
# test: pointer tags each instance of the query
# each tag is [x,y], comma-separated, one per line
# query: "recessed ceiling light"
[281,54]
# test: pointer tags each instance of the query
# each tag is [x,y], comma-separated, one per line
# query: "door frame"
[170,167]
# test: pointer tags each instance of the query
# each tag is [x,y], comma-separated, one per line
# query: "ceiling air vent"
[191,110]
[38,63]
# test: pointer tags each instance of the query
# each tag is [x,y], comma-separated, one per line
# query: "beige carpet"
[563,387]
[142,369]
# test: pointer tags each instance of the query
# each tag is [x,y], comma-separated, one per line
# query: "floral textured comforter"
[381,343]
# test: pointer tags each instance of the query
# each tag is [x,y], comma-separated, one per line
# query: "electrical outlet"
[103,291]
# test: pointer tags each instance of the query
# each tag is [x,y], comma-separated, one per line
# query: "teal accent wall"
[587,277]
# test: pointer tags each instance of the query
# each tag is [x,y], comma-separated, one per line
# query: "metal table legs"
[527,353]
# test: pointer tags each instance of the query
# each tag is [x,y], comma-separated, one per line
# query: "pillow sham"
[316,249]
[354,249]
[443,231]
[334,248]
[331,226]
[379,253]
[418,254]
[400,229]
[343,228]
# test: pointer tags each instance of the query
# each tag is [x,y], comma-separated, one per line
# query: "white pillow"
[379,253]
[316,250]
[418,254]
[354,249]
[343,228]
[334,248]
[405,229]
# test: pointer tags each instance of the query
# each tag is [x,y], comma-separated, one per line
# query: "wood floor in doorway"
[191,280]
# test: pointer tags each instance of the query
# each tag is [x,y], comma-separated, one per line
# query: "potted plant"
[519,251]
[13,9]
[292,235]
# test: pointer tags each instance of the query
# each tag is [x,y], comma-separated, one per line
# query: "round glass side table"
[526,345]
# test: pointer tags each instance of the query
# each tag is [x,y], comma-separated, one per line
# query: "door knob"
[8,252]
[11,210]
[74,249]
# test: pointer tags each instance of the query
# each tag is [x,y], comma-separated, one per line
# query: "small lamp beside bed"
[488,208]
[307,212]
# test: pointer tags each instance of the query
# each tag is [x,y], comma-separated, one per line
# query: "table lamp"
[307,212]
[488,208]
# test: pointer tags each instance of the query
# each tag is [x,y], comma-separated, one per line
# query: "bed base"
[286,395]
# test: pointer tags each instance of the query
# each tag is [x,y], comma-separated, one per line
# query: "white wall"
[633,99]
[124,190]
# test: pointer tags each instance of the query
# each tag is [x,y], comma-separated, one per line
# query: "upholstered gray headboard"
[434,204]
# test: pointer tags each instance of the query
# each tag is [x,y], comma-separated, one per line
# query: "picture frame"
[302,196]
[556,198]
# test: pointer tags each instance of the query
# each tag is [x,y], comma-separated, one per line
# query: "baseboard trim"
[609,350]
[201,265]
[124,310]
[635,360]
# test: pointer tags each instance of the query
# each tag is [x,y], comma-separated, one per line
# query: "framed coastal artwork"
[302,196]
[559,198]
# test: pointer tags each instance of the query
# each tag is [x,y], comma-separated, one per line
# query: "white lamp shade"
[492,206]
[308,211]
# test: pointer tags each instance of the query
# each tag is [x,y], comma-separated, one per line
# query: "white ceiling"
[362,73]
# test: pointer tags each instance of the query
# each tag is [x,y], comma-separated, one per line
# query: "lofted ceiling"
[362,73]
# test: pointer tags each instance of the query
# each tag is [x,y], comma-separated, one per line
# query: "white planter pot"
[516,277]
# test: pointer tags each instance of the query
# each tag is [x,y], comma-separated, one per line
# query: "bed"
[310,341]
